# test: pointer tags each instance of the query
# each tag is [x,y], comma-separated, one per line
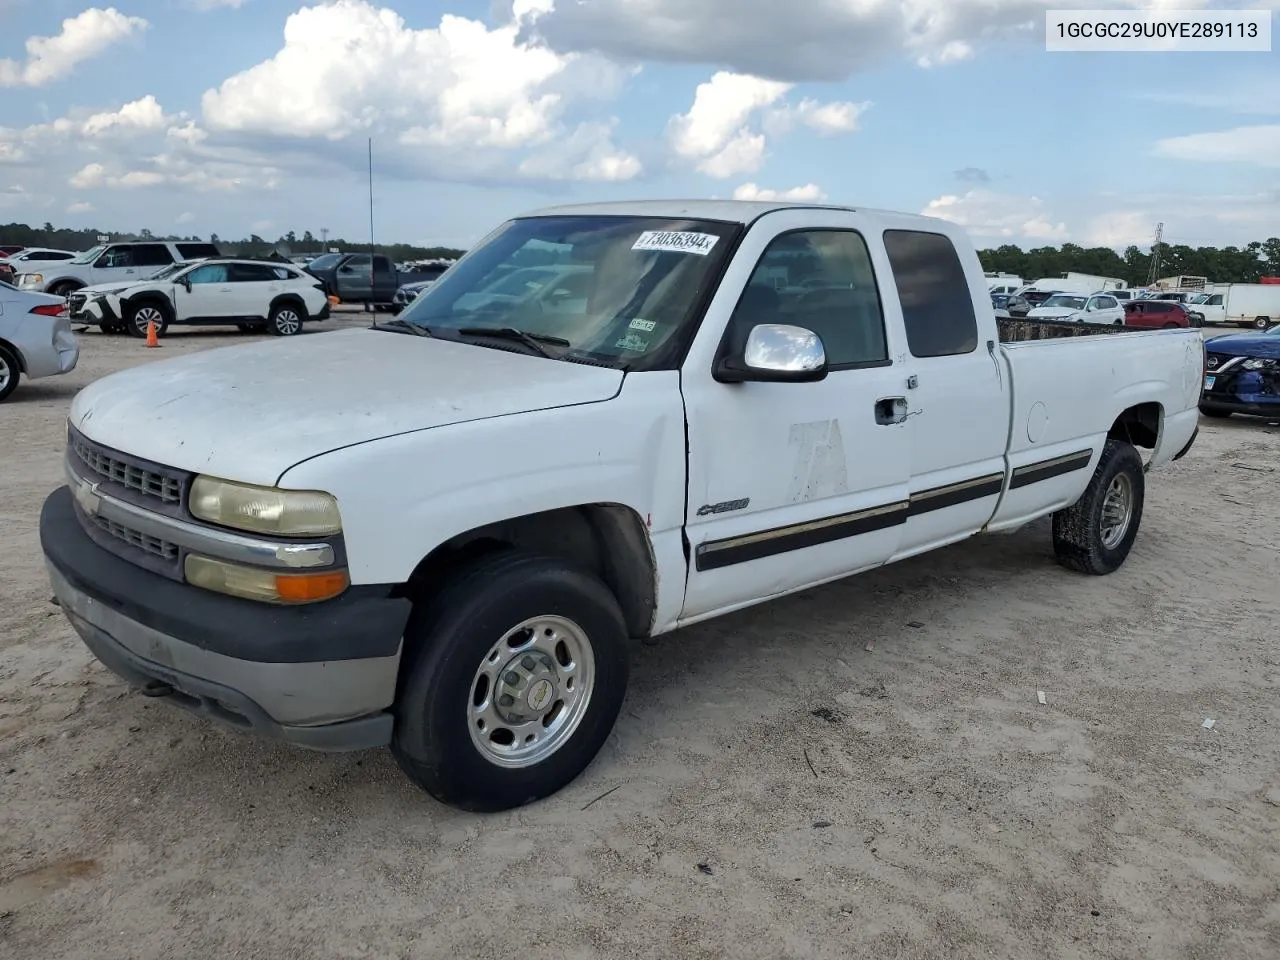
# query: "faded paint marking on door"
[821,469]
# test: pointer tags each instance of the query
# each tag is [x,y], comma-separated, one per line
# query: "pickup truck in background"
[445,539]
[111,263]
[370,279]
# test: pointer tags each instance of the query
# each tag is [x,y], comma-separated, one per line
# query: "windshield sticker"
[645,326]
[633,343]
[676,241]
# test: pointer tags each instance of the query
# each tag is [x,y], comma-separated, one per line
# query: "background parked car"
[1156,315]
[35,337]
[1020,304]
[252,294]
[112,262]
[1074,308]
[1242,375]
[31,259]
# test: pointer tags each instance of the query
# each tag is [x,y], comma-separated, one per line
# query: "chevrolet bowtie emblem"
[87,496]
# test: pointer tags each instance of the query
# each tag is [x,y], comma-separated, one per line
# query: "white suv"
[252,294]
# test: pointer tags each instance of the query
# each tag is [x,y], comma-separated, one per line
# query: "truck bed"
[1019,329]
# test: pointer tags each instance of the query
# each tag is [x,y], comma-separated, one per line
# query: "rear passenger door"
[253,286]
[958,398]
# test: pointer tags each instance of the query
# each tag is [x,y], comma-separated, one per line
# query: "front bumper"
[320,676]
[1236,390]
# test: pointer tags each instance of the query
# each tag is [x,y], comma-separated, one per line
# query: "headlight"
[30,280]
[265,586]
[1256,363]
[287,513]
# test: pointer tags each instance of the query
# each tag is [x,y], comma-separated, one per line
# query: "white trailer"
[1254,305]
[1081,284]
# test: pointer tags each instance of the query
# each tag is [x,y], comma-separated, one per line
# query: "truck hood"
[250,412]
[109,287]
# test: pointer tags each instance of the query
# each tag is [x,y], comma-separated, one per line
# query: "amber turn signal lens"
[266,586]
[310,587]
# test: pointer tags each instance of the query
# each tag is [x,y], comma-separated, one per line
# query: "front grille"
[149,483]
[76,302]
[156,547]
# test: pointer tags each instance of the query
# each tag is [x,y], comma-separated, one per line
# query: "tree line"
[1220,264]
[290,244]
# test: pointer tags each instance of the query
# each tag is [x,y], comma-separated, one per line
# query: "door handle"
[891,410]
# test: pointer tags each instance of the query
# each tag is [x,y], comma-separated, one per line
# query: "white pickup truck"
[440,532]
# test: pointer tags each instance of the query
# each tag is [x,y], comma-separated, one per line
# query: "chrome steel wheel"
[531,692]
[1117,511]
[147,315]
[287,322]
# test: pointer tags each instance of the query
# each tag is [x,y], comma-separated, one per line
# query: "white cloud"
[1257,145]
[718,133]
[82,38]
[260,226]
[587,154]
[206,5]
[139,116]
[90,176]
[809,193]
[458,97]
[817,40]
[185,217]
[989,215]
[80,207]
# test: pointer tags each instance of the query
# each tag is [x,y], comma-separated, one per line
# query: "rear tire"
[1261,323]
[10,372]
[541,648]
[286,319]
[1095,534]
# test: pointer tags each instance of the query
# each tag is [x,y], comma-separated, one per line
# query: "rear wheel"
[285,320]
[514,677]
[1261,323]
[1095,534]
[10,372]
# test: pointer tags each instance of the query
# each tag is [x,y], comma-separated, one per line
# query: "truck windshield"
[89,255]
[618,289]
[1064,302]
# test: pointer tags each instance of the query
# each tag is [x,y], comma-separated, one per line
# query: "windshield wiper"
[405,325]
[533,341]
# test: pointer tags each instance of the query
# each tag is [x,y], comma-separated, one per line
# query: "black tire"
[65,289]
[1079,541]
[1261,323]
[1215,412]
[286,319]
[10,372]
[137,315]
[459,632]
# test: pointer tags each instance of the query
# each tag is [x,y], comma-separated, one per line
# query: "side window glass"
[152,255]
[210,273]
[821,280]
[1215,300]
[116,257]
[936,306]
[358,262]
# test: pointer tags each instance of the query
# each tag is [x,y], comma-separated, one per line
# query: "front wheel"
[137,318]
[1095,534]
[514,676]
[285,320]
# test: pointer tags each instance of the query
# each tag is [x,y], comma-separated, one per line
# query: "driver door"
[792,484]
[353,279]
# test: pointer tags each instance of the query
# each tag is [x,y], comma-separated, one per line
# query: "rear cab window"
[937,305]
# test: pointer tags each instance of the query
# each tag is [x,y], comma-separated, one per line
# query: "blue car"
[1242,375]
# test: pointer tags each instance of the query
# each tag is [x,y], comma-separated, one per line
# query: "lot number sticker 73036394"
[676,241]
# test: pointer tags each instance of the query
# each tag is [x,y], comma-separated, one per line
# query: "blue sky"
[239,116]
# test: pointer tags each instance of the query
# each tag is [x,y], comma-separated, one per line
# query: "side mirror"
[775,353]
[186,282]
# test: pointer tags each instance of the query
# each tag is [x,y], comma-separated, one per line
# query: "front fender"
[402,496]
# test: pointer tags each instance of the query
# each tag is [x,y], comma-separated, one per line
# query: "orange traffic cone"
[152,339]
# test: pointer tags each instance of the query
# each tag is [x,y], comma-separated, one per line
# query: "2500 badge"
[728,506]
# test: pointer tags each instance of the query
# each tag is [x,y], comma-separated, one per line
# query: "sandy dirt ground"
[863,770]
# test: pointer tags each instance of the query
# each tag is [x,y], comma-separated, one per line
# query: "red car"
[1155,314]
